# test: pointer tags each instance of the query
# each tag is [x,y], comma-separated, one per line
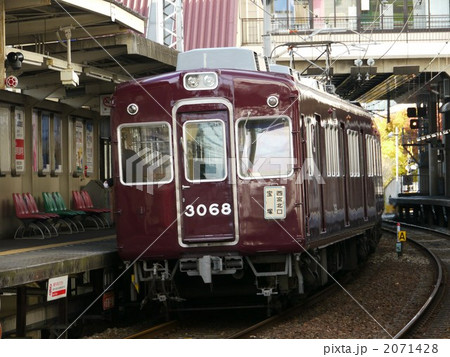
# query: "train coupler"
[163,298]
[208,265]
[267,292]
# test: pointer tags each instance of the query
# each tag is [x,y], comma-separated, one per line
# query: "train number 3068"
[214,209]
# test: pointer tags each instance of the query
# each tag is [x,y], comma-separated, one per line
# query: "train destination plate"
[274,202]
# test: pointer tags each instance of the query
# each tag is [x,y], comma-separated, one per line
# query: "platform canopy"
[74,50]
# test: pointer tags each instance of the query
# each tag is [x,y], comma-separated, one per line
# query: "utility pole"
[397,183]
[267,29]
[2,45]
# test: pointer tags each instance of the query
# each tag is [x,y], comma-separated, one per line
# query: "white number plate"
[214,209]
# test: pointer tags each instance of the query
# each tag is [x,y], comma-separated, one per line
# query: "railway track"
[433,305]
[433,319]
[250,331]
[172,327]
[400,321]
[155,331]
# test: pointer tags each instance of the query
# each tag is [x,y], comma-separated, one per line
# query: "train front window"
[265,147]
[145,154]
[204,150]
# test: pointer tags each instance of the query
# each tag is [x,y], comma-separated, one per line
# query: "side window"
[145,154]
[46,142]
[332,150]
[265,147]
[310,145]
[336,151]
[379,168]
[57,144]
[373,149]
[354,153]
[44,164]
[328,150]
[369,150]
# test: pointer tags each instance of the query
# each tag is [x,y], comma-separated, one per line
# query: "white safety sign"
[57,288]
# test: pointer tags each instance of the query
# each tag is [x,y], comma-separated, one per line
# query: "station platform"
[24,261]
[422,210]
[421,200]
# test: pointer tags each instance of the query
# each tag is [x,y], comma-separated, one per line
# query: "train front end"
[205,176]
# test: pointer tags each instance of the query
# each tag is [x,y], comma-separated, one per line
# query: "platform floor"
[24,261]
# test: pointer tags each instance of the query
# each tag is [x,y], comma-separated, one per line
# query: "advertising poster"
[20,141]
[89,147]
[5,135]
[79,146]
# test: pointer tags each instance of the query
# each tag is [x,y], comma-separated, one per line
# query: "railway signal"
[414,123]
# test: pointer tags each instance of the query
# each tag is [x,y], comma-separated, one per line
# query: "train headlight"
[191,81]
[200,81]
[210,81]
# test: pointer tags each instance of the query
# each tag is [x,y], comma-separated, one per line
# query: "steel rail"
[437,286]
[154,331]
[284,314]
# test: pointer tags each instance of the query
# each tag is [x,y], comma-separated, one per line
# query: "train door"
[320,166]
[206,195]
[313,178]
[304,173]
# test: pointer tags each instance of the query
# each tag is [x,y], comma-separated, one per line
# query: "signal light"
[422,111]
[14,59]
[414,123]
[411,112]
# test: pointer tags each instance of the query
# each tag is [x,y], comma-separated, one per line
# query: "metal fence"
[419,28]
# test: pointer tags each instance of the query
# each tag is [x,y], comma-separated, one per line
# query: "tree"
[398,120]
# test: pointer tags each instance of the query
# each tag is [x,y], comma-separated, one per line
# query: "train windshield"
[145,153]
[205,150]
[265,147]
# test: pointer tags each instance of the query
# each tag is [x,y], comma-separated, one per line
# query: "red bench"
[82,202]
[32,221]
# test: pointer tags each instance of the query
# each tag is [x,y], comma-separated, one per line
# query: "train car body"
[230,175]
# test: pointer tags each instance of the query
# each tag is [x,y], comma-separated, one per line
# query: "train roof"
[243,59]
[236,58]
[221,58]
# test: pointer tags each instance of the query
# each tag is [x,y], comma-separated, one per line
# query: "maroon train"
[234,178]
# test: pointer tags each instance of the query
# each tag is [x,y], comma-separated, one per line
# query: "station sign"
[106,102]
[57,288]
